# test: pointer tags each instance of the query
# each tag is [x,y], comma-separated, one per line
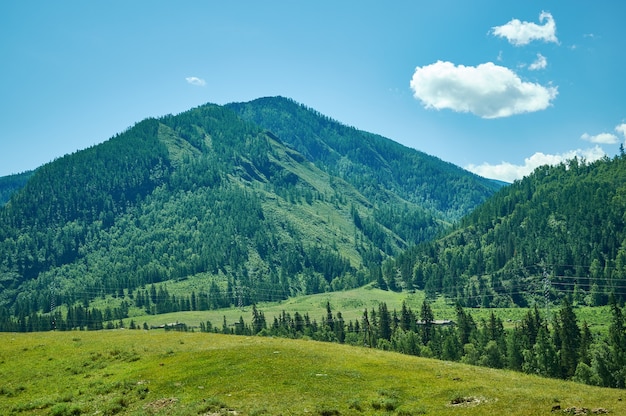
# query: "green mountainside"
[381,169]
[12,183]
[558,231]
[211,194]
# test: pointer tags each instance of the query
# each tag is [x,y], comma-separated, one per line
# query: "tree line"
[560,347]
[564,222]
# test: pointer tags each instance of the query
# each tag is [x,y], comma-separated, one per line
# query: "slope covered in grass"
[154,372]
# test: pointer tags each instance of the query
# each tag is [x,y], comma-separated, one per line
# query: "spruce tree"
[427,327]
[570,339]
[384,321]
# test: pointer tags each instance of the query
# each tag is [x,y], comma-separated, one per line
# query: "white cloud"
[196,81]
[603,138]
[621,129]
[522,33]
[509,172]
[540,63]
[486,90]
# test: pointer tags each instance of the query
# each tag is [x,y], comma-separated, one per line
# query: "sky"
[495,87]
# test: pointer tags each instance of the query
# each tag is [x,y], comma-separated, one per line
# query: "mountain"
[250,211]
[559,231]
[379,168]
[12,183]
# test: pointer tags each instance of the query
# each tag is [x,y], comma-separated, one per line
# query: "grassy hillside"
[350,303]
[167,373]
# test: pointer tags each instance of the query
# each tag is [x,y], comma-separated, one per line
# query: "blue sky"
[496,87]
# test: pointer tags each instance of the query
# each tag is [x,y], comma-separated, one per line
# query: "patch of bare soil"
[580,411]
[223,412]
[467,401]
[160,404]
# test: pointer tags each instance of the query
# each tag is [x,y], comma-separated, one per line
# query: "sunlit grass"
[351,304]
[168,373]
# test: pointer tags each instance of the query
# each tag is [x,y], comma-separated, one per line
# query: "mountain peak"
[268,195]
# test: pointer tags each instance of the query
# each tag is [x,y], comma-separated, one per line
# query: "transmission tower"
[546,291]
[53,305]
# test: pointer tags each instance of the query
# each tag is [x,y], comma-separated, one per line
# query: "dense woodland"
[379,168]
[11,184]
[558,231]
[208,193]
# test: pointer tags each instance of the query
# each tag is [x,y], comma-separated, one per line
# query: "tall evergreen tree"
[426,322]
[569,338]
[384,321]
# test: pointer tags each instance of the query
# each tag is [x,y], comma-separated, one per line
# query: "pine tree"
[384,321]
[329,321]
[616,361]
[258,320]
[407,318]
[569,337]
[368,339]
[465,325]
[426,322]
[515,357]
[543,358]
[340,330]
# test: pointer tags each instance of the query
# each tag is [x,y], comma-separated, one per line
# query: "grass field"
[169,373]
[351,304]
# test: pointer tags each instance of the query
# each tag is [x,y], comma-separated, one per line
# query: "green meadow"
[137,372]
[351,304]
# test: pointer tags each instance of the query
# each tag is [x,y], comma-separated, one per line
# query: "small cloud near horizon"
[520,33]
[602,138]
[199,82]
[509,172]
[487,90]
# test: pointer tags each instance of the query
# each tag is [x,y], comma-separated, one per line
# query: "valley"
[245,225]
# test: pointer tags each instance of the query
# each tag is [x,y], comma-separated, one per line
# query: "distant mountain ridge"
[12,183]
[253,210]
[368,160]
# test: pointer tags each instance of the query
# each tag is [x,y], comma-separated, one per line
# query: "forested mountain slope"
[558,231]
[208,194]
[378,167]
[12,183]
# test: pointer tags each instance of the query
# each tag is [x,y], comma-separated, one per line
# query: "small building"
[438,322]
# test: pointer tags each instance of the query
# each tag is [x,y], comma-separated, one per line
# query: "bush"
[64,409]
